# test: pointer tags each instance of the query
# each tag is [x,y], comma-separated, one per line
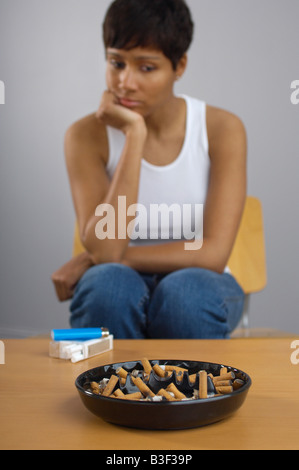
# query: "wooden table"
[41,409]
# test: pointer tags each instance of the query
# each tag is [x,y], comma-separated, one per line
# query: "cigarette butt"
[144,389]
[238,383]
[146,365]
[203,384]
[172,388]
[223,383]
[95,388]
[224,390]
[159,371]
[145,377]
[162,392]
[132,396]
[223,370]
[122,372]
[227,376]
[179,375]
[156,398]
[135,373]
[175,368]
[110,386]
[119,393]
[192,378]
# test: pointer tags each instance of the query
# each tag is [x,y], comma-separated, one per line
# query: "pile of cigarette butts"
[202,384]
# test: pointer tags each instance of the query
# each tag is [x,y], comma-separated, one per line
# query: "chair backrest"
[247,262]
[78,248]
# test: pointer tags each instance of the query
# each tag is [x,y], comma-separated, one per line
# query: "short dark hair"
[164,24]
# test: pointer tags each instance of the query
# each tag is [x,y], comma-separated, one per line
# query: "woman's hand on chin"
[112,113]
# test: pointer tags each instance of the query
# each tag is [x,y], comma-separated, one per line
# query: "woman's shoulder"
[226,134]
[88,128]
[221,122]
[218,120]
[88,133]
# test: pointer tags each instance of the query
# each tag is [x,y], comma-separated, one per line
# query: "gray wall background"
[243,58]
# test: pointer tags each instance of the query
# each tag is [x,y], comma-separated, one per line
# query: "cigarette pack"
[76,351]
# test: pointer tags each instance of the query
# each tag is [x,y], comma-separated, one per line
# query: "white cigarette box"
[79,350]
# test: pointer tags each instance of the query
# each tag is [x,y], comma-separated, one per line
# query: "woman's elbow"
[103,251]
[212,259]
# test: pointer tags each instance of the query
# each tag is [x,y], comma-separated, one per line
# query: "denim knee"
[194,303]
[110,295]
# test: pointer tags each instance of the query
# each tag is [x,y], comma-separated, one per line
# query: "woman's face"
[141,79]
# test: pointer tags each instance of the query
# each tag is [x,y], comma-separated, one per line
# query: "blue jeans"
[188,303]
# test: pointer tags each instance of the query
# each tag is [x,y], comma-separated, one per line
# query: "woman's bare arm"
[86,155]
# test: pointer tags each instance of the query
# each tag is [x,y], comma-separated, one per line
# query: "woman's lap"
[188,303]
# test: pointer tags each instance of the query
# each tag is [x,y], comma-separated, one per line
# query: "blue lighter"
[79,334]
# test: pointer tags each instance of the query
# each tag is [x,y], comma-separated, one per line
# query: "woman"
[148,146]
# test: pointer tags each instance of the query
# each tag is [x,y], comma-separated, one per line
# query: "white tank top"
[171,197]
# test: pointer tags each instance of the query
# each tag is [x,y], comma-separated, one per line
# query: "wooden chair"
[78,248]
[247,262]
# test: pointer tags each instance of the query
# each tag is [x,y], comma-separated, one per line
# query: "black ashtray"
[147,414]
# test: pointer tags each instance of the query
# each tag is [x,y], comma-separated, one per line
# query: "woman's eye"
[147,68]
[117,64]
